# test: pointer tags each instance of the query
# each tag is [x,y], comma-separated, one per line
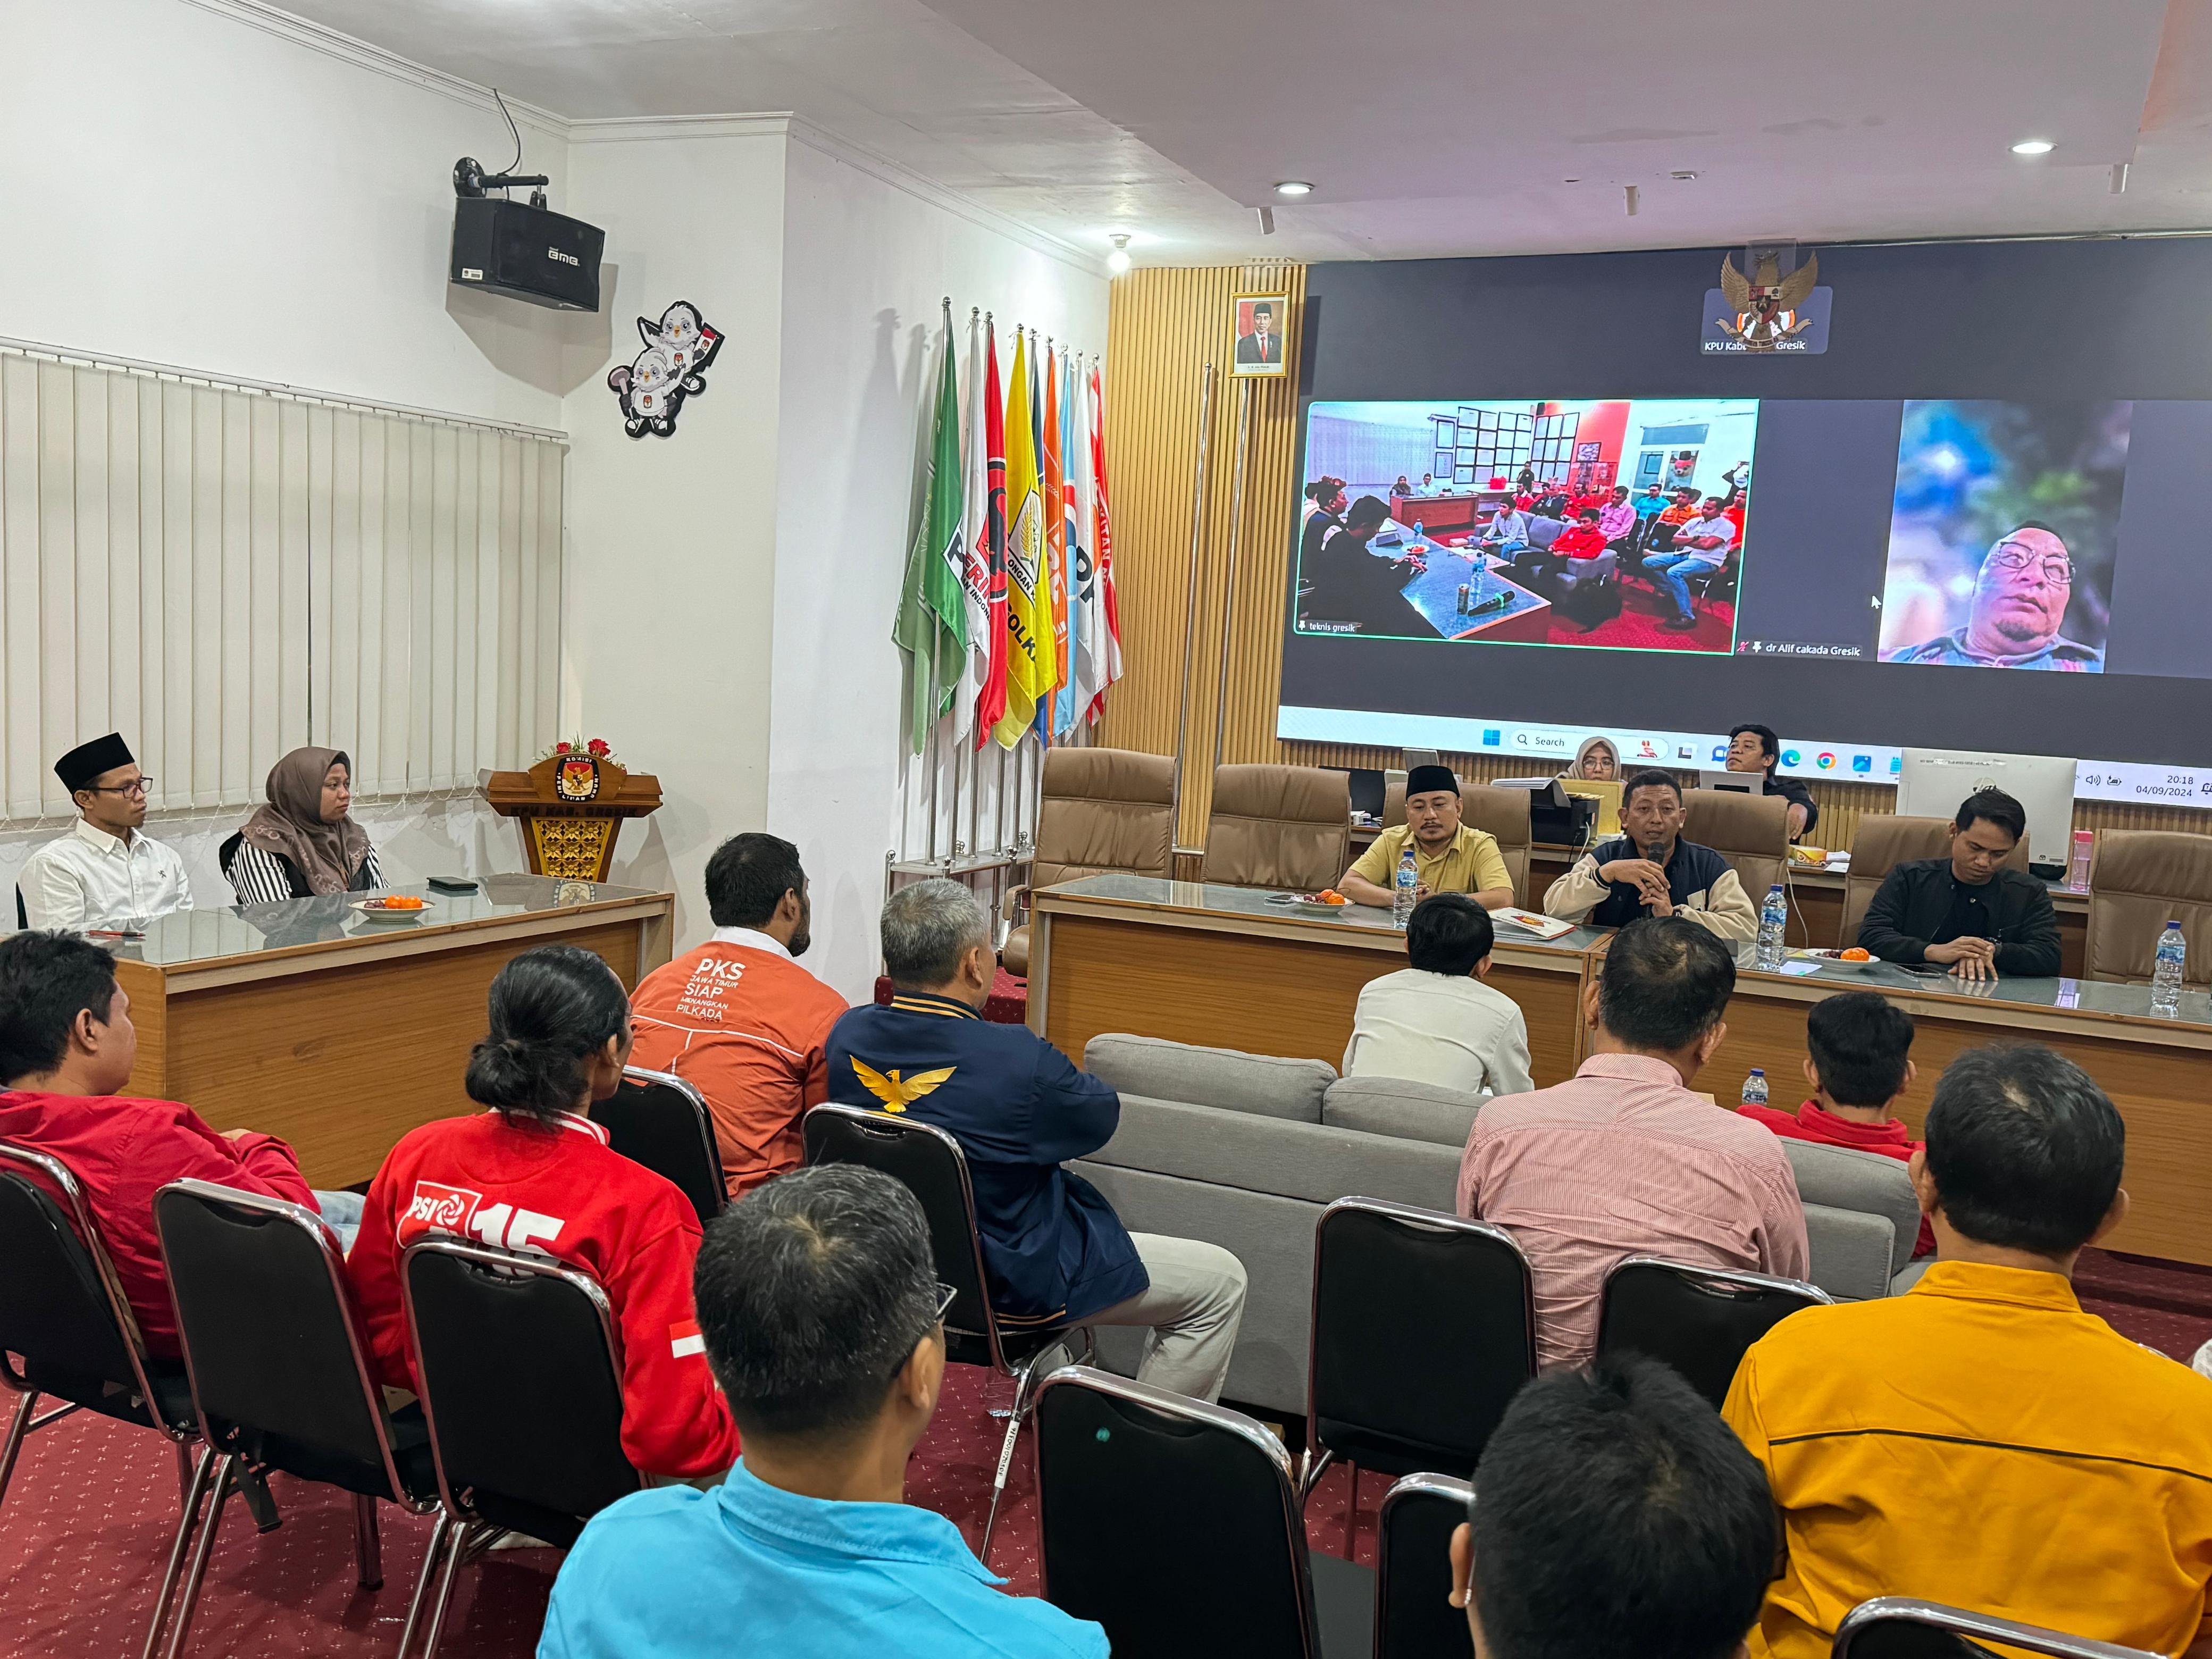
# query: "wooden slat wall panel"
[1163,328]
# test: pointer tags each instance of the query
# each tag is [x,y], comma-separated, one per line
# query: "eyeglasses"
[138,789]
[2011,555]
[945,1297]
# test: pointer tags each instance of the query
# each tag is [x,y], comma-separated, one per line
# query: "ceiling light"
[1294,187]
[1118,260]
[2034,147]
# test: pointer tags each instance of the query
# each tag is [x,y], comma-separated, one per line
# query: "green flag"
[932,616]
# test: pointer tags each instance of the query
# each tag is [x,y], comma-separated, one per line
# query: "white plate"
[1830,959]
[373,912]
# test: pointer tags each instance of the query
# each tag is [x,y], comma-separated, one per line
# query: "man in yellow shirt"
[1980,1441]
[1448,856]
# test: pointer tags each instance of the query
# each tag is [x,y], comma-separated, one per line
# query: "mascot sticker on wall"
[673,367]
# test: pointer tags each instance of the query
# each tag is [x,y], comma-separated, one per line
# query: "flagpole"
[1229,588]
[1190,596]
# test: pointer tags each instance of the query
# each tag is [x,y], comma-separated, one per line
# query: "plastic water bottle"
[2166,975]
[1755,1087]
[1773,925]
[1401,901]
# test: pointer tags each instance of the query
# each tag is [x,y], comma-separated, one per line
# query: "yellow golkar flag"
[1029,616]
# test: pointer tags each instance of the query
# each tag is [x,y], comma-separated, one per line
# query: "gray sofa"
[1246,1151]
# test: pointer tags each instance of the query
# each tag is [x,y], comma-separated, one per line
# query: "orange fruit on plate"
[1855,954]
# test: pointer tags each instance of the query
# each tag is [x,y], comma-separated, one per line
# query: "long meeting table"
[1233,968]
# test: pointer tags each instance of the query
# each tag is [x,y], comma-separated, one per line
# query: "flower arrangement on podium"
[571,804]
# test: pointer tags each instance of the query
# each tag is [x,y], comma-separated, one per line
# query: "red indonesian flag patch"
[684,1338]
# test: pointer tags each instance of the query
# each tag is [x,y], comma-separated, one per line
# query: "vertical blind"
[222,573]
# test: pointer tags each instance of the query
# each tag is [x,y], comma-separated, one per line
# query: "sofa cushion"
[1396,1106]
[1845,1178]
[1312,1161]
[1851,1252]
[1263,1085]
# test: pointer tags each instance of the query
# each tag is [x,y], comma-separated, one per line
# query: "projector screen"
[2018,575]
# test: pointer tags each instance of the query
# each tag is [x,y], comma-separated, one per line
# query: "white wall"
[866,263]
[672,546]
[183,187]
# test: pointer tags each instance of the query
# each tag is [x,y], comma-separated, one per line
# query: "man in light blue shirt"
[820,1313]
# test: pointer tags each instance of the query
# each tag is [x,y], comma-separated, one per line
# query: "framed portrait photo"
[1261,329]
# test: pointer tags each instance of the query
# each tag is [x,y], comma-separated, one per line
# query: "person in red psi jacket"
[1859,1061]
[66,1048]
[535,1174]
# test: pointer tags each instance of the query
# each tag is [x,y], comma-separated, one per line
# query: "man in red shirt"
[1859,1061]
[1582,539]
[66,1046]
[738,1018]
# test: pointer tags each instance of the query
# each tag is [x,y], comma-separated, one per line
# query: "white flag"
[976,563]
[1089,599]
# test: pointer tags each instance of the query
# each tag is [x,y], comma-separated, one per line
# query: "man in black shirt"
[1754,748]
[1353,585]
[1966,911]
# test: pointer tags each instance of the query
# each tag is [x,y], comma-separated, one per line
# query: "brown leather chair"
[1504,814]
[1393,798]
[1100,811]
[2141,880]
[1278,826]
[1881,842]
[1752,832]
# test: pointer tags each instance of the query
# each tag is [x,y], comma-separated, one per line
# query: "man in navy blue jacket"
[1055,1251]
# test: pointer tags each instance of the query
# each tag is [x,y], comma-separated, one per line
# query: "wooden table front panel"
[1263,994]
[340,1061]
[2159,1089]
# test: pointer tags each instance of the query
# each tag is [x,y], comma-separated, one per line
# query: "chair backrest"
[1104,811]
[1752,832]
[534,1442]
[1172,1523]
[1394,797]
[1278,826]
[272,1341]
[1413,1615]
[935,1171]
[1900,1627]
[62,1308]
[661,1121]
[1424,1329]
[1504,814]
[2140,880]
[1881,842]
[1698,1319]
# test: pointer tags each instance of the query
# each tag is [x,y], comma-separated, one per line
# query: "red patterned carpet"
[87,1523]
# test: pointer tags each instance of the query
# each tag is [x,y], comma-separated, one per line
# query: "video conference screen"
[2021,576]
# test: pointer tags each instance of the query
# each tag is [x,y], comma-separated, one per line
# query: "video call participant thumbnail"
[1966,911]
[1353,584]
[1448,856]
[2020,595]
[1649,870]
[1754,748]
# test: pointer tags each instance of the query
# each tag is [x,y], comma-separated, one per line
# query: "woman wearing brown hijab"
[302,843]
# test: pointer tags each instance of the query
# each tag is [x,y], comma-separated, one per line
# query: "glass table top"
[2084,995]
[1260,902]
[185,936]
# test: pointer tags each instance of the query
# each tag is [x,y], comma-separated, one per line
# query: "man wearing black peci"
[1966,911]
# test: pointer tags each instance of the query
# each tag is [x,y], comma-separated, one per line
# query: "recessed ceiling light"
[1294,187]
[1118,260]
[2034,147]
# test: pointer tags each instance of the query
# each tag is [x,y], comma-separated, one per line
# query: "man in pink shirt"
[1622,1159]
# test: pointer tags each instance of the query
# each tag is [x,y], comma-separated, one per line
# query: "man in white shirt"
[1436,1022]
[103,874]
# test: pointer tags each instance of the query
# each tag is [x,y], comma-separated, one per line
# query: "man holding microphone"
[1649,870]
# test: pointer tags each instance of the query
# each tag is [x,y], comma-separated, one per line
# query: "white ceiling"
[1429,127]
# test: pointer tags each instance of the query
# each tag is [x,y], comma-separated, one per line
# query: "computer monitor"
[1606,794]
[1744,783]
[1934,780]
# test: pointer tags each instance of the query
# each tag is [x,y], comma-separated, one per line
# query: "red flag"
[1103,550]
[991,705]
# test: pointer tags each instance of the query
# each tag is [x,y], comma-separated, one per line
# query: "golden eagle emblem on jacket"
[898,1092]
[1766,303]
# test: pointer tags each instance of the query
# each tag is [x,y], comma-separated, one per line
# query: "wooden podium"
[571,807]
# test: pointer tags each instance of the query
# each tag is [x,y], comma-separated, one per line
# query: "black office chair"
[1424,1329]
[1414,1618]
[1176,1525]
[930,1162]
[280,1373]
[1899,1627]
[1699,1320]
[532,1444]
[659,1119]
[67,1332]
[22,917]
